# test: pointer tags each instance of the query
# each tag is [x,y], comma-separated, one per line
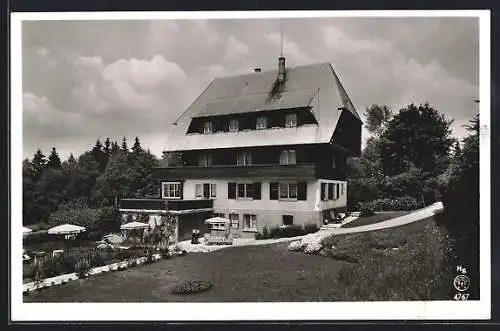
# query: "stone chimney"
[281,69]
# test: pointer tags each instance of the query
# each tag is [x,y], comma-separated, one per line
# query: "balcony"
[267,171]
[178,206]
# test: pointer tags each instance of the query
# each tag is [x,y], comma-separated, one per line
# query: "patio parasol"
[66,229]
[217,220]
[134,225]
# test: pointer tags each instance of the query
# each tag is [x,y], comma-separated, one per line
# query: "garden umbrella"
[26,230]
[217,220]
[134,225]
[66,229]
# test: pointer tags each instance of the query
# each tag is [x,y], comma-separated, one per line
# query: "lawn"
[377,218]
[272,273]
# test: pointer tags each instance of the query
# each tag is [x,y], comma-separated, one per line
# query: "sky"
[84,80]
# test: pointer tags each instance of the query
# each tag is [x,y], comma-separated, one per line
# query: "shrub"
[265,232]
[398,204]
[366,211]
[82,267]
[328,241]
[192,287]
[311,228]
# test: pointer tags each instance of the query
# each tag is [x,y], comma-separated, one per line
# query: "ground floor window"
[287,219]
[249,222]
[235,220]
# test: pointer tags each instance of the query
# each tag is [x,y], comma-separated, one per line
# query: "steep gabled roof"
[316,86]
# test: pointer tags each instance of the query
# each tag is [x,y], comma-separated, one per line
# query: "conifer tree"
[54,160]
[38,163]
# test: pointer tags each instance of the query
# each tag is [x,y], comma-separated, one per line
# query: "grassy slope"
[272,273]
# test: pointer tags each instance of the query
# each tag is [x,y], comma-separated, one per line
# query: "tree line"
[88,186]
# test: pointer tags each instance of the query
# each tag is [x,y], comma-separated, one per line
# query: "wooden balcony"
[266,171]
[165,205]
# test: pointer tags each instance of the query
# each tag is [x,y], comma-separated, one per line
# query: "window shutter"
[330,191]
[181,190]
[206,191]
[273,191]
[302,191]
[338,190]
[231,190]
[257,188]
[323,188]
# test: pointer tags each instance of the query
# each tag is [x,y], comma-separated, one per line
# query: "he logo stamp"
[461,283]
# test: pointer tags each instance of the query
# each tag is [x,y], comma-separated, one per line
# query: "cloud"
[143,72]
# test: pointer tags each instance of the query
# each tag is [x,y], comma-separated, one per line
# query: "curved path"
[402,220]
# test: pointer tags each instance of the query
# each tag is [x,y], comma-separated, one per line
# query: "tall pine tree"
[54,160]
[136,149]
[38,164]
[124,148]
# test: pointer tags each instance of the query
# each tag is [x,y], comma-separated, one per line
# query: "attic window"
[208,127]
[233,125]
[291,120]
[261,122]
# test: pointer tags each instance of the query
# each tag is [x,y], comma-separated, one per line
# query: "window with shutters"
[249,222]
[245,190]
[261,122]
[235,220]
[288,191]
[244,159]
[205,190]
[171,190]
[288,157]
[233,125]
[208,127]
[291,120]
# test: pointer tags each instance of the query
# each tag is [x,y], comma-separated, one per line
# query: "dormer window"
[291,120]
[288,157]
[244,159]
[233,125]
[208,127]
[205,160]
[261,122]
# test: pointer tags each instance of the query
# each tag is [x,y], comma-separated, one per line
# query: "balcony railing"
[162,204]
[268,171]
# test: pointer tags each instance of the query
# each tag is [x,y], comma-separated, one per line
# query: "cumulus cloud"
[235,50]
[144,72]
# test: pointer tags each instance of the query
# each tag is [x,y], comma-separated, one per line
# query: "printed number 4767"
[461,296]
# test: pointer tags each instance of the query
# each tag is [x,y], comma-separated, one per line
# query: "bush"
[192,287]
[82,268]
[399,204]
[286,231]
[328,241]
[366,211]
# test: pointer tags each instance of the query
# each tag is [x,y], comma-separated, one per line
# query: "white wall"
[313,202]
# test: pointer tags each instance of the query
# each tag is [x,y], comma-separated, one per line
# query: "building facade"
[267,148]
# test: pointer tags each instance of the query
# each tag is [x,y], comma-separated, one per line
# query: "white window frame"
[234,125]
[291,120]
[245,190]
[213,190]
[164,191]
[208,127]
[286,157]
[252,219]
[244,159]
[235,221]
[261,123]
[288,197]
[198,190]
